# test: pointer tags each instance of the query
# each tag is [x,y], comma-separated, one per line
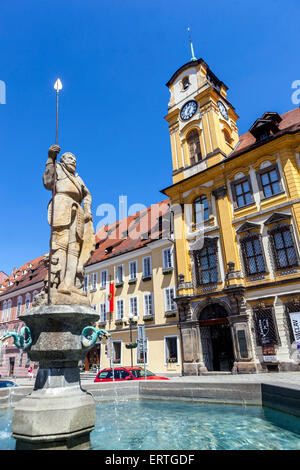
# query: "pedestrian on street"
[30,373]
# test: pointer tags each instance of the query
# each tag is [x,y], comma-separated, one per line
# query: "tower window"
[227,137]
[194,147]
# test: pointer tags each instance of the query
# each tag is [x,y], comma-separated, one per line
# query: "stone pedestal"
[58,414]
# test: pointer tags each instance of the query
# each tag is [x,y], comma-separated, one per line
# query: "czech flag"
[109,297]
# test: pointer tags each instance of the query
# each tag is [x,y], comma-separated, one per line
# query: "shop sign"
[269,353]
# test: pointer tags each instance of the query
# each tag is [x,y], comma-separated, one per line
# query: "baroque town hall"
[237,291]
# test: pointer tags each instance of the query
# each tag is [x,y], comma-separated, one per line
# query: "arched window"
[27,301]
[19,305]
[185,83]
[228,138]
[194,147]
[201,209]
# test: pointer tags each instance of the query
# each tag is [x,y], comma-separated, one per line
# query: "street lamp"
[132,319]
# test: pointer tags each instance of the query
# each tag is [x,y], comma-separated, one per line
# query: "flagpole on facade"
[57,87]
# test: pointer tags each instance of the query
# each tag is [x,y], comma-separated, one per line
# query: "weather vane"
[191,44]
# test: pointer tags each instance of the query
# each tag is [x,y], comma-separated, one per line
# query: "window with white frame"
[132,270]
[4,310]
[27,301]
[120,309]
[19,305]
[148,304]
[167,258]
[9,305]
[94,306]
[117,352]
[147,268]
[85,283]
[133,306]
[103,278]
[120,274]
[93,281]
[103,314]
[171,349]
[140,355]
[170,305]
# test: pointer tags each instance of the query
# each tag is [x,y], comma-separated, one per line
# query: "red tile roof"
[34,271]
[142,228]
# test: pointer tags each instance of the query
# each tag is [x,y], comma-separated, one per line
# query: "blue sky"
[114,58]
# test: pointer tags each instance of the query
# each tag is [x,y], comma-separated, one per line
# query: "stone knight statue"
[73,237]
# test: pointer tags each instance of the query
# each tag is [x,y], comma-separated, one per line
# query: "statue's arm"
[48,176]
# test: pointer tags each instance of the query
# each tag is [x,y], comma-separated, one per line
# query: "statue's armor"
[69,193]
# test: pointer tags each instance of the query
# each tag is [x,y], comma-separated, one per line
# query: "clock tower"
[202,122]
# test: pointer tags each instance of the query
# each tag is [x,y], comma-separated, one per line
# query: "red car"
[126,373]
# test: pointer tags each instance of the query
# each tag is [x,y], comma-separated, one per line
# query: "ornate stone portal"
[59,414]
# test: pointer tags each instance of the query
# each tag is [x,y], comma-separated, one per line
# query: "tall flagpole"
[57,87]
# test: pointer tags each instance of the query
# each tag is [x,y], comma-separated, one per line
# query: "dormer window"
[185,83]
[228,138]
[266,126]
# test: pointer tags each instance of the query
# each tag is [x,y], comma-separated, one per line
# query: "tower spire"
[191,44]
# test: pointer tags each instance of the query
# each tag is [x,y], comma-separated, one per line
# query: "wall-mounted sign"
[242,343]
[269,353]
[265,328]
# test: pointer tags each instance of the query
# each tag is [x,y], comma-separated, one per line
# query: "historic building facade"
[17,293]
[135,257]
[236,207]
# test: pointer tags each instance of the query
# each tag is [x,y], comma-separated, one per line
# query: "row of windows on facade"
[170,352]
[148,305]
[7,305]
[242,194]
[92,280]
[283,249]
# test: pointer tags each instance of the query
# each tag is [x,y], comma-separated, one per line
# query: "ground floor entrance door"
[217,346]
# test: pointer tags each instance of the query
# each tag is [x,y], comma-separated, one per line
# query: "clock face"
[223,110]
[188,110]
